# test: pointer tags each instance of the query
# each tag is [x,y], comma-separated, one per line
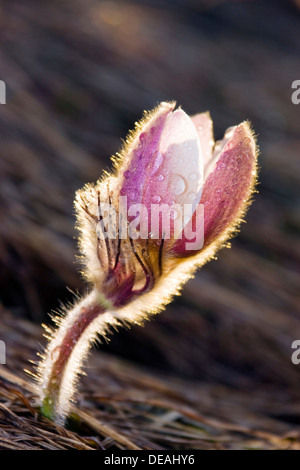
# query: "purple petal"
[227,188]
[164,164]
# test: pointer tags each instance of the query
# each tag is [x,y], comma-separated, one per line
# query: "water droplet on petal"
[193,176]
[156,199]
[192,196]
[160,178]
[126,174]
[178,185]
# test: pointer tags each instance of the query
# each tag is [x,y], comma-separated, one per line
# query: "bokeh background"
[79,73]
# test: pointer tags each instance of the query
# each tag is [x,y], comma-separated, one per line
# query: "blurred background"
[79,73]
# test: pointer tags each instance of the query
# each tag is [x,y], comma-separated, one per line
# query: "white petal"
[204,126]
[182,152]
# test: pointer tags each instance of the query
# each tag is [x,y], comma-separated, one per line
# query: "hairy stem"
[66,352]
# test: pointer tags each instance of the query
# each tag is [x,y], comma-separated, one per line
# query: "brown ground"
[214,370]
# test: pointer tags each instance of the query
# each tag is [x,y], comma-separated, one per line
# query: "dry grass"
[124,406]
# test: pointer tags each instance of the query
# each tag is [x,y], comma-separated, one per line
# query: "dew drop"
[192,196]
[126,174]
[193,176]
[160,178]
[178,185]
[156,199]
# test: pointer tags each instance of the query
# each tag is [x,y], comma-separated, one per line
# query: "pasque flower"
[174,198]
